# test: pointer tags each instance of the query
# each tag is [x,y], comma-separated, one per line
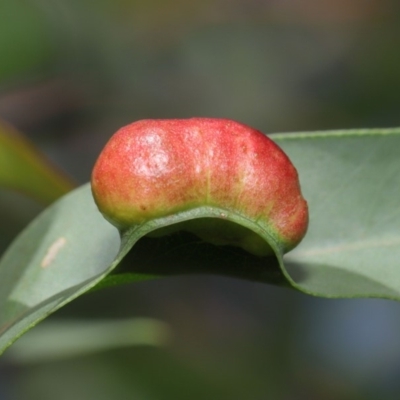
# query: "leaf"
[351,180]
[53,260]
[62,339]
[24,169]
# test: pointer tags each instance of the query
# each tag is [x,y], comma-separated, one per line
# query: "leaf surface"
[351,180]
[60,255]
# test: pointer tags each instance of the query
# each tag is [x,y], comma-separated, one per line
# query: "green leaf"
[60,255]
[25,169]
[62,339]
[351,180]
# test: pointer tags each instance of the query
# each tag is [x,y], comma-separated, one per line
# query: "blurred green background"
[73,72]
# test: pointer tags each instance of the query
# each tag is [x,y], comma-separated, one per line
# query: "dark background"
[73,72]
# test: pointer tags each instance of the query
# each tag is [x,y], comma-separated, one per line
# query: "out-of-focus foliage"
[25,44]
[54,341]
[24,169]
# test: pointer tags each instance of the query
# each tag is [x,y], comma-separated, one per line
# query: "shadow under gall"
[184,253]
